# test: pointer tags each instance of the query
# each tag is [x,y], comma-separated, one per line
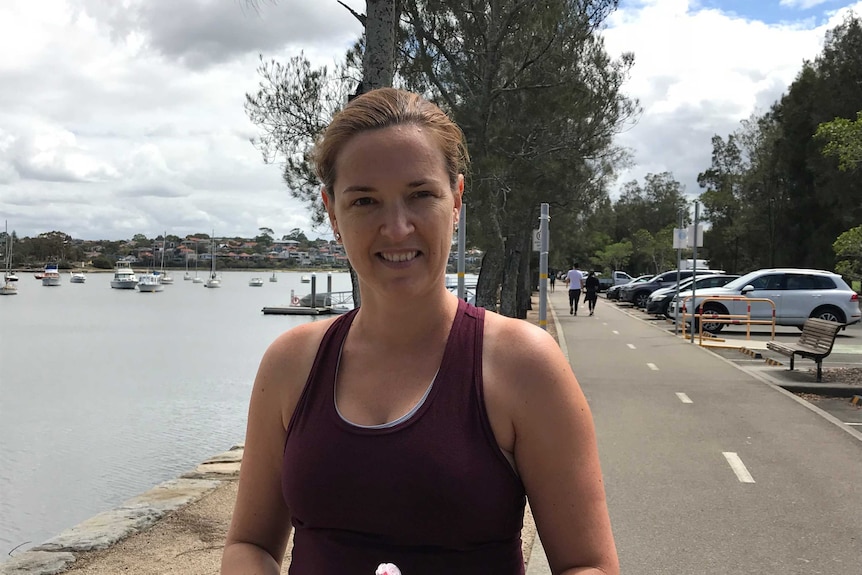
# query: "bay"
[105,393]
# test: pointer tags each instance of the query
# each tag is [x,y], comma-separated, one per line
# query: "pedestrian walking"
[575,282]
[591,291]
[553,277]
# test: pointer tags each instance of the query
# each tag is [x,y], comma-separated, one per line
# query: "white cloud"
[126,117]
[698,72]
[803,4]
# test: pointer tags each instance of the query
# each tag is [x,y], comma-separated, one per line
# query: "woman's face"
[395,209]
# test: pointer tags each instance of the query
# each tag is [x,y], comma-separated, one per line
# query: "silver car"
[797,294]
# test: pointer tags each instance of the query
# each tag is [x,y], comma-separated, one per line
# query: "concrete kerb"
[780,386]
[132,516]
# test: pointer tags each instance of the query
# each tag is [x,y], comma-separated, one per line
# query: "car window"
[823,282]
[767,281]
[800,282]
[713,282]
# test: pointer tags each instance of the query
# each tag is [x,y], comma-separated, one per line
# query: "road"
[711,468]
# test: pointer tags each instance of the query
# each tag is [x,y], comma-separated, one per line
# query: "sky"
[120,117]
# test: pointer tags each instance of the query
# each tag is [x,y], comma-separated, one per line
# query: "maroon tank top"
[432,494]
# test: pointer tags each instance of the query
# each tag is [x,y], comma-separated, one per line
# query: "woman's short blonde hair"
[383,108]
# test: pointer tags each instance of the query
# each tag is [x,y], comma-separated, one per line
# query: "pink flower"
[387,569]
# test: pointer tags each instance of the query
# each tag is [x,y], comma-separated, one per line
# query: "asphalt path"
[709,467]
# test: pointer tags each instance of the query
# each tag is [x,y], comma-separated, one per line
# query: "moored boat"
[255,282]
[9,286]
[214,280]
[149,282]
[273,278]
[124,276]
[51,275]
[77,277]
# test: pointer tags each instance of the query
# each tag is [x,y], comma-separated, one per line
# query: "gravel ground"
[845,375]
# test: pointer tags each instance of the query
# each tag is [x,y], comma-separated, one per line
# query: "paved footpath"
[709,468]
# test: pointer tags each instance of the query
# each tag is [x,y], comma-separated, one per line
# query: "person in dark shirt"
[412,429]
[591,289]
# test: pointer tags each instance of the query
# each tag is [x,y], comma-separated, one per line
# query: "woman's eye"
[424,194]
[366,201]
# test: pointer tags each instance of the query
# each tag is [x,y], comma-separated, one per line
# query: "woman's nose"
[398,222]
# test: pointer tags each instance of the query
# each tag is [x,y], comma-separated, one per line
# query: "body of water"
[105,393]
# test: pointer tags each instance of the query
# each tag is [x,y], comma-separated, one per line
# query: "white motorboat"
[77,277]
[124,276]
[305,279]
[51,276]
[149,282]
[255,282]
[214,280]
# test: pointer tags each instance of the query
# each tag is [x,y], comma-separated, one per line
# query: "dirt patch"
[845,375]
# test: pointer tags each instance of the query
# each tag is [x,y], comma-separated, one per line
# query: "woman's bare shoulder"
[519,341]
[288,360]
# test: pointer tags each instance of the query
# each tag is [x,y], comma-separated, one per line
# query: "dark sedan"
[659,300]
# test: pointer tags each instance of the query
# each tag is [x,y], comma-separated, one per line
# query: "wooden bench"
[818,336]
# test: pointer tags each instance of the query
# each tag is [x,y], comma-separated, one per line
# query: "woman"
[410,430]
[591,288]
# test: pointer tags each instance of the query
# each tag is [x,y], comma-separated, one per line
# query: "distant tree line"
[59,247]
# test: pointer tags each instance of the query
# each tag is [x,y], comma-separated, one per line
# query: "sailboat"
[165,277]
[197,280]
[149,282]
[187,276]
[273,278]
[9,285]
[214,280]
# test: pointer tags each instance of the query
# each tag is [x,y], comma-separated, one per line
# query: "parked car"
[639,294]
[797,294]
[616,278]
[660,299]
[614,291]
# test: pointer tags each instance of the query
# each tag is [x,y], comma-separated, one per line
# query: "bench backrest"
[819,334]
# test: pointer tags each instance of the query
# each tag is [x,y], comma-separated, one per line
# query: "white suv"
[797,294]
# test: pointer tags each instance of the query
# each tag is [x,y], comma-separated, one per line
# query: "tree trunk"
[511,267]
[489,278]
[528,280]
[379,57]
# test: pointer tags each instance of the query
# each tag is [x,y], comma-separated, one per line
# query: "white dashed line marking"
[652,366]
[615,332]
[631,346]
[851,423]
[738,467]
[684,398]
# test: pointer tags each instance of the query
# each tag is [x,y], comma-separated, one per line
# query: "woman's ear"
[327,204]
[459,193]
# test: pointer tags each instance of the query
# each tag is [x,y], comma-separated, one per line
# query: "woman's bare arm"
[555,448]
[260,525]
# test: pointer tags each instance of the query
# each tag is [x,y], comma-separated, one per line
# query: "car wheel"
[713,326]
[665,308]
[829,313]
[641,299]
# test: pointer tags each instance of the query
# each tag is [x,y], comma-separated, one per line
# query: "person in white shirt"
[575,281]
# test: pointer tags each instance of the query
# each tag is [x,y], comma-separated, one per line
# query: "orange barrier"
[734,319]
